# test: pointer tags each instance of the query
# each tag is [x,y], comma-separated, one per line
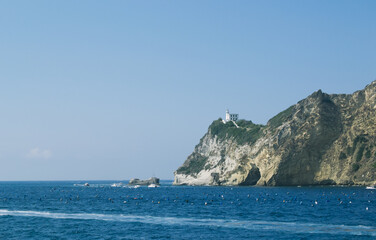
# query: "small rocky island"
[325,139]
[136,181]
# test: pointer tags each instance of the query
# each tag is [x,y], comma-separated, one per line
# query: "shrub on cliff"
[247,132]
[281,117]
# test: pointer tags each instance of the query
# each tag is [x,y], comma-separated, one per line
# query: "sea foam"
[295,227]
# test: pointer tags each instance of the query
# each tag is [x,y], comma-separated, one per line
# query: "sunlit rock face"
[325,139]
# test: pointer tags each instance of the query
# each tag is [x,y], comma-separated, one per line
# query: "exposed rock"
[322,140]
[136,181]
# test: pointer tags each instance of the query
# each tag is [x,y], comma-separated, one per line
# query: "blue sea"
[70,210]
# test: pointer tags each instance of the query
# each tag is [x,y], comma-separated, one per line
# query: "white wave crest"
[228,223]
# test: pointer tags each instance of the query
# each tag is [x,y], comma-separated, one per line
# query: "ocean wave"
[295,227]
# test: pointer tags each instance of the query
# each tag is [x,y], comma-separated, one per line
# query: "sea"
[71,210]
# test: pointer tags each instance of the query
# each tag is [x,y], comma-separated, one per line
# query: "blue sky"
[123,89]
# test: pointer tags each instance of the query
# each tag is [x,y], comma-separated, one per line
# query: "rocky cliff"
[323,139]
[136,181]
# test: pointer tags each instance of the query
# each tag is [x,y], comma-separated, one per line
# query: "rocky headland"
[136,181]
[325,139]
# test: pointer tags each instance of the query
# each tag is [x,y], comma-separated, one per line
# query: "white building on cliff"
[231,116]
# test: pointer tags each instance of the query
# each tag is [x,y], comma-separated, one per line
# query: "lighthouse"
[231,116]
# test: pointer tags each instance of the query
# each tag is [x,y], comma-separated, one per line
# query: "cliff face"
[323,139]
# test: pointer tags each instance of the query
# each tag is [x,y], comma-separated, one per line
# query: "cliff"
[323,139]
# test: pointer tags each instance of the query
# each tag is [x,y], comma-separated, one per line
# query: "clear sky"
[123,89]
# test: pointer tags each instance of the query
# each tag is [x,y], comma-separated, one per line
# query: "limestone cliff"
[323,139]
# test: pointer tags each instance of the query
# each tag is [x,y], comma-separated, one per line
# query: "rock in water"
[322,140]
[136,181]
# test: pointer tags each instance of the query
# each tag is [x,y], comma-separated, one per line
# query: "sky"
[113,90]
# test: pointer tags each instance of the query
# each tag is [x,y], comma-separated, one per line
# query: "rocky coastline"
[325,139]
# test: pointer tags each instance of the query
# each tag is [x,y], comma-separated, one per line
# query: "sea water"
[70,210]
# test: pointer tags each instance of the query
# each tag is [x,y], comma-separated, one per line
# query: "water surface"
[69,210]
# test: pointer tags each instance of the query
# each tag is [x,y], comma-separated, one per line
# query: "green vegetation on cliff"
[355,167]
[247,133]
[281,117]
[194,166]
